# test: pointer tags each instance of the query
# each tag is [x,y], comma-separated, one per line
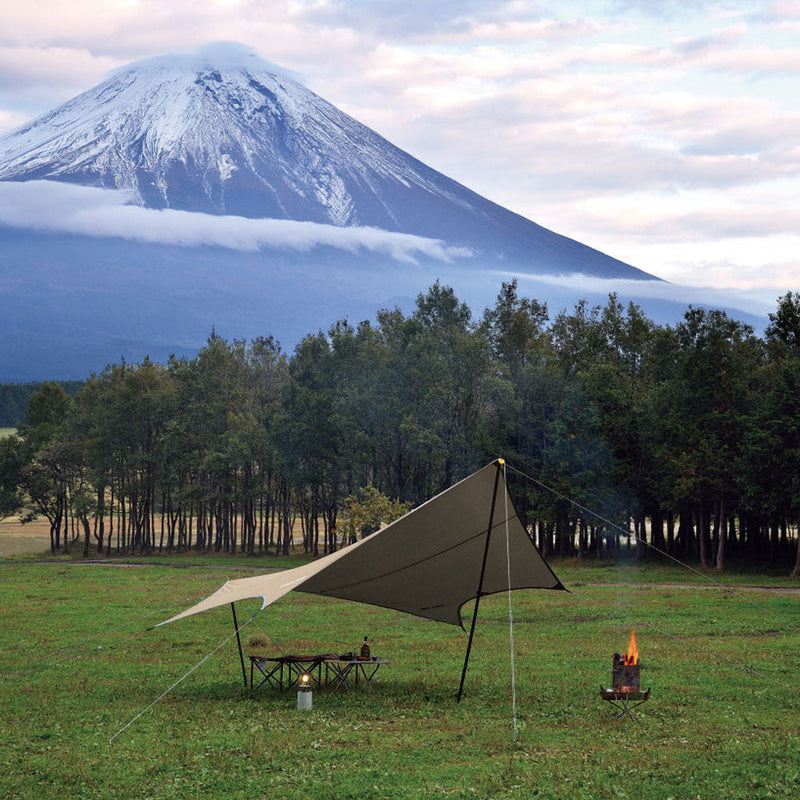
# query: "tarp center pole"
[239,642]
[480,581]
[510,615]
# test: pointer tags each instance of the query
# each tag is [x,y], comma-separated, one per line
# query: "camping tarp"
[427,563]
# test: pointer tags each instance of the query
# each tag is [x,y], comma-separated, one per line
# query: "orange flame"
[632,656]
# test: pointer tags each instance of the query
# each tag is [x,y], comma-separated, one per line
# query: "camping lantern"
[304,693]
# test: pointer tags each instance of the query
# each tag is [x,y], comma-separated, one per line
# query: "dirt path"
[789,591]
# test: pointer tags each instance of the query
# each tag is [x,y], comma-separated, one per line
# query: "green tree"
[705,417]
[449,367]
[774,463]
[783,332]
[621,382]
[46,475]
[367,511]
[12,463]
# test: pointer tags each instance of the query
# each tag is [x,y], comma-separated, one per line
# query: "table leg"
[340,676]
[367,675]
[268,675]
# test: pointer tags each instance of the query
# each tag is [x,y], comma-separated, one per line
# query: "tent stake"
[480,581]
[239,642]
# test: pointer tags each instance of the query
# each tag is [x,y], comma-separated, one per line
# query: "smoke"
[108,213]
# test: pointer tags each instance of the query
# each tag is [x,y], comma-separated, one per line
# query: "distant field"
[77,665]
[17,539]
[6,432]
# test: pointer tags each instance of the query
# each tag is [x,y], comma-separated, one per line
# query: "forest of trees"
[688,436]
[14,399]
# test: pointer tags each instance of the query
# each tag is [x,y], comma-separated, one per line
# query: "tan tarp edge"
[426,563]
[269,587]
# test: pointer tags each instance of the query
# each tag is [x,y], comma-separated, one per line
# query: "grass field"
[32,539]
[77,665]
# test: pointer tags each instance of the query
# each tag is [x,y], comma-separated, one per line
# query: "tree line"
[687,436]
[14,399]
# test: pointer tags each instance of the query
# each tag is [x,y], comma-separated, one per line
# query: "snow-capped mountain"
[223,131]
[214,190]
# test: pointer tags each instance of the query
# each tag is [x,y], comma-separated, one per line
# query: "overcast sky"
[666,134]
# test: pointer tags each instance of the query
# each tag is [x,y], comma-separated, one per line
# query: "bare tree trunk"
[671,533]
[723,536]
[657,529]
[702,538]
[87,534]
[640,526]
[64,515]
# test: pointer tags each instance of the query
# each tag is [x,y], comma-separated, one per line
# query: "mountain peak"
[221,130]
[214,57]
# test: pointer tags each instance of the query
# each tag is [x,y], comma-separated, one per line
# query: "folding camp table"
[284,672]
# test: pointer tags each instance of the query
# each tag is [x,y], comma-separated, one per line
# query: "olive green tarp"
[466,541]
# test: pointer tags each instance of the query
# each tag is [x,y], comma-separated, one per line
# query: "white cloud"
[23,68]
[754,302]
[34,79]
[11,119]
[62,207]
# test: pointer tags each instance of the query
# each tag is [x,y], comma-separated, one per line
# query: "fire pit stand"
[625,701]
[625,692]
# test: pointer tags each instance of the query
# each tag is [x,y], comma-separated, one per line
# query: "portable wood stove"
[625,693]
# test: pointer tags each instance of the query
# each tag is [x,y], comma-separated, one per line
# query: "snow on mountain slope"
[223,131]
[219,130]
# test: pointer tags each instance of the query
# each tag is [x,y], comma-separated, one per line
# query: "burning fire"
[632,656]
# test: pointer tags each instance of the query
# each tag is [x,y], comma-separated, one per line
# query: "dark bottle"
[365,650]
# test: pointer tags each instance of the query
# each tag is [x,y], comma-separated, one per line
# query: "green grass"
[723,719]
[4,432]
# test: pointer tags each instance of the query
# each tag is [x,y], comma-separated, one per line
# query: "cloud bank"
[88,211]
[760,302]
